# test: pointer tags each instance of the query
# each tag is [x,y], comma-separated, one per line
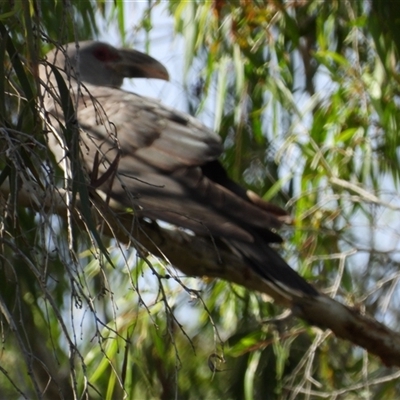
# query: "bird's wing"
[158,135]
[162,152]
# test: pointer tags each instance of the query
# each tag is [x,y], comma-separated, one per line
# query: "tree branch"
[198,256]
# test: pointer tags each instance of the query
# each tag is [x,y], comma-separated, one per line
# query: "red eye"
[105,54]
[101,54]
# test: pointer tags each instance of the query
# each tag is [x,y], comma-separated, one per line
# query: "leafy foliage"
[305,96]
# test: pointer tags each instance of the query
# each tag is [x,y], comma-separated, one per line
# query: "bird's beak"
[134,64]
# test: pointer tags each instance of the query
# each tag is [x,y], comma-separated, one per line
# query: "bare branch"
[198,256]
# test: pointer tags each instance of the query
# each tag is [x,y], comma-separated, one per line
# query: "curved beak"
[134,64]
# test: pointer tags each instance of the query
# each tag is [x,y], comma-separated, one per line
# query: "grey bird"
[165,161]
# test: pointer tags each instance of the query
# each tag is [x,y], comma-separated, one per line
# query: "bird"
[161,163]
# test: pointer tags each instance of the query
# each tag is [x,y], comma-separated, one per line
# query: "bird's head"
[101,64]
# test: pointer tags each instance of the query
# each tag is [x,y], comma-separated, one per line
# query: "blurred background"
[305,95]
